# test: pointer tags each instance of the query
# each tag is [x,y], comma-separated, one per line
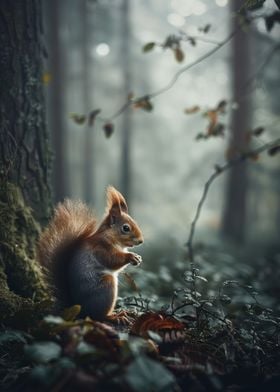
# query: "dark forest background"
[162,154]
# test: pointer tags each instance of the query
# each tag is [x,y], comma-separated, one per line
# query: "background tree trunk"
[25,158]
[24,155]
[127,120]
[87,31]
[234,218]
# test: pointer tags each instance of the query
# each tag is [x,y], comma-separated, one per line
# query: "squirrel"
[83,259]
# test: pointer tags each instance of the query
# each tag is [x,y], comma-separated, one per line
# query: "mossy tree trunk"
[24,155]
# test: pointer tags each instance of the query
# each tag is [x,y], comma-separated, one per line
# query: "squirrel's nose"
[140,241]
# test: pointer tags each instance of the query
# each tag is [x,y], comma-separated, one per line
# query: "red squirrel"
[83,260]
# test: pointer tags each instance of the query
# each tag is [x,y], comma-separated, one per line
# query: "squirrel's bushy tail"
[72,221]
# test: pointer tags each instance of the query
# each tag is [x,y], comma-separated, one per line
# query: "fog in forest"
[155,157]
[175,103]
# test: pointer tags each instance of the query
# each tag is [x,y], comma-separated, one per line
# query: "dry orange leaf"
[179,55]
[213,117]
[192,109]
[156,322]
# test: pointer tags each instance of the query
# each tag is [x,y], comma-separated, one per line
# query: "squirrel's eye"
[125,228]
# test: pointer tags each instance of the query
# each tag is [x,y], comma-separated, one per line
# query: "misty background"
[96,61]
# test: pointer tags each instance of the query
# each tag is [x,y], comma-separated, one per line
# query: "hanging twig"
[171,83]
[218,171]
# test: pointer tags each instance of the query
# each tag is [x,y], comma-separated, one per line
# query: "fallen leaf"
[156,322]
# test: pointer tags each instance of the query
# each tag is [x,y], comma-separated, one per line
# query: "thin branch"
[174,79]
[218,171]
[263,65]
[177,75]
[204,39]
[191,65]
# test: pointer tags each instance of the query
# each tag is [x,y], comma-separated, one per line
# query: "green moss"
[22,283]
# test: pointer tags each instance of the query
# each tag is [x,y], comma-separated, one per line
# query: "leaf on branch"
[192,109]
[92,116]
[218,130]
[221,106]
[218,168]
[213,117]
[172,42]
[274,150]
[271,20]
[148,47]
[258,131]
[79,119]
[205,29]
[108,129]
[144,103]
[192,41]
[200,136]
[252,5]
[179,54]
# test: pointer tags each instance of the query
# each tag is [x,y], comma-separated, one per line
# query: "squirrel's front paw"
[135,259]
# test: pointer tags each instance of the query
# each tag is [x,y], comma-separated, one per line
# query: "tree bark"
[24,148]
[24,155]
[57,122]
[234,218]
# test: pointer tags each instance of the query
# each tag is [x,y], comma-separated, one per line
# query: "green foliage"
[42,352]
[144,103]
[211,328]
[148,47]
[172,42]
[108,129]
[145,374]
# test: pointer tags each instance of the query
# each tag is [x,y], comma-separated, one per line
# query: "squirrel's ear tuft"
[115,201]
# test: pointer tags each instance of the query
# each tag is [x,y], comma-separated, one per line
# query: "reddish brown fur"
[74,226]
[72,221]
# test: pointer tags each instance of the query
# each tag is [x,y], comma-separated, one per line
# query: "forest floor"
[201,339]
